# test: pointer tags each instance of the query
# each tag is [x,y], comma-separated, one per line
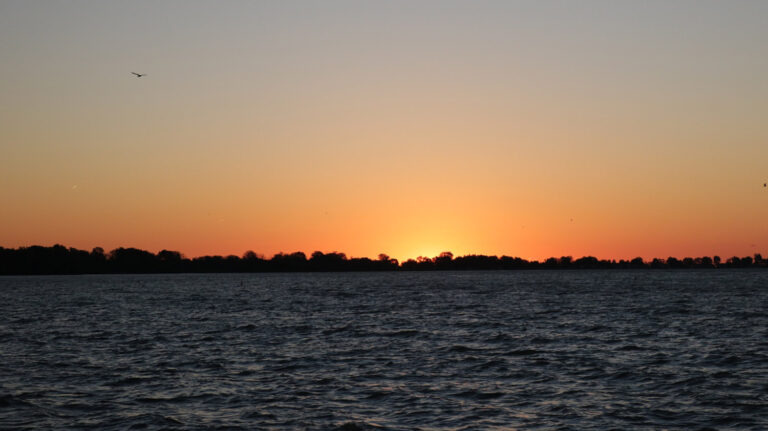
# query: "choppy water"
[481,350]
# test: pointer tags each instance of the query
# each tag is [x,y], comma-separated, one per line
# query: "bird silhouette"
[139,75]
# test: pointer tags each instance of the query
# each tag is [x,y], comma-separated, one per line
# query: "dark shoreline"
[55,260]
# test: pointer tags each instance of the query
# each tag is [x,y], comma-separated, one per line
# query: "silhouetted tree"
[410,264]
[327,262]
[443,261]
[252,262]
[386,263]
[62,260]
[132,260]
[587,262]
[289,262]
[673,263]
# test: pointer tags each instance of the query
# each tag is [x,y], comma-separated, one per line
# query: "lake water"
[580,350]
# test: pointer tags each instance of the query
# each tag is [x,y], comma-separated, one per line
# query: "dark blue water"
[576,350]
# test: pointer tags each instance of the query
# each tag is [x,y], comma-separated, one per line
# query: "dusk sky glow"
[524,128]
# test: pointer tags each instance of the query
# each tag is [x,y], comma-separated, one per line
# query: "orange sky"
[525,129]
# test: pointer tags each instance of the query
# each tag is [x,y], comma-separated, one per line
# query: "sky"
[524,128]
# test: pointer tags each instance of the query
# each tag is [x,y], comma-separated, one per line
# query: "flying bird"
[139,75]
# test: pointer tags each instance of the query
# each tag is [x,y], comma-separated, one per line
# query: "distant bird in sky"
[139,75]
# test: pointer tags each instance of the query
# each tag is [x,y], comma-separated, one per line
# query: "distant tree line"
[62,260]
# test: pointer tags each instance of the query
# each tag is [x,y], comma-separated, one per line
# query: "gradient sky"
[607,128]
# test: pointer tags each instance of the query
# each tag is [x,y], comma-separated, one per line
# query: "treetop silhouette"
[62,260]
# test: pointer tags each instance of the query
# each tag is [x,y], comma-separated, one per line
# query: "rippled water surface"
[469,350]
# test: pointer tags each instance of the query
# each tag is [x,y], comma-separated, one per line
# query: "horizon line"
[346,256]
